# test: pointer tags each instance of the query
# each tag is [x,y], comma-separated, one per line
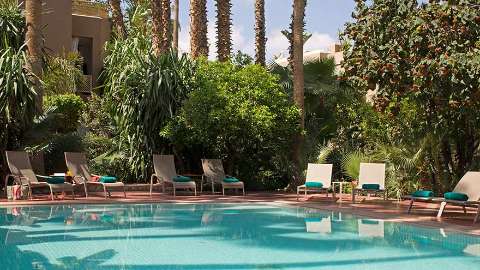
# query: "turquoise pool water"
[221,236]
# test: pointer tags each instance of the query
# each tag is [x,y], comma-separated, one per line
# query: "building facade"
[77,26]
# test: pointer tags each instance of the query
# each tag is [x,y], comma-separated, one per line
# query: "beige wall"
[60,26]
[57,21]
[98,29]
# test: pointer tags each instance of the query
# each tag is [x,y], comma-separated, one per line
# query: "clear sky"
[325,18]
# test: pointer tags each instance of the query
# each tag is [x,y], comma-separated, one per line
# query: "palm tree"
[224,31]
[260,39]
[33,37]
[175,24]
[160,26]
[117,18]
[156,7]
[166,24]
[298,80]
[198,28]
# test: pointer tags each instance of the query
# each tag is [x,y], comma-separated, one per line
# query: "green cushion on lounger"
[370,222]
[454,196]
[422,194]
[107,179]
[181,179]
[313,219]
[314,184]
[371,186]
[55,180]
[230,180]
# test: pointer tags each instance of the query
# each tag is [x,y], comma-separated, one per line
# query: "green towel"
[107,179]
[314,184]
[230,180]
[55,180]
[422,194]
[371,186]
[181,179]
[454,196]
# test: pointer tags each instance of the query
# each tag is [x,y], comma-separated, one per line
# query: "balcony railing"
[88,8]
[85,87]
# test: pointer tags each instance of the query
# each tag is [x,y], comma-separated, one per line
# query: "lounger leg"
[105,191]
[223,191]
[124,193]
[213,187]
[51,193]
[86,189]
[477,215]
[151,187]
[464,209]
[243,190]
[195,190]
[410,206]
[174,191]
[442,208]
[298,192]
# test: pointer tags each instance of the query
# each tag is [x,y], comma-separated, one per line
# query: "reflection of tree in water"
[89,262]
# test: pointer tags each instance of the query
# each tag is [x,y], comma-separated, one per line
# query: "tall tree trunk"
[298,82]
[166,23]
[260,39]
[160,26]
[175,24]
[117,18]
[156,7]
[224,31]
[198,28]
[33,37]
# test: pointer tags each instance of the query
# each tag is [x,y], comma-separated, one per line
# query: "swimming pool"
[220,236]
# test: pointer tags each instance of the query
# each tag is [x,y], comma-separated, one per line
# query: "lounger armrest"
[43,176]
[79,179]
[158,178]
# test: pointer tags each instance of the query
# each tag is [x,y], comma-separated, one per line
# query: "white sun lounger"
[77,165]
[165,172]
[21,170]
[317,173]
[214,174]
[371,173]
[469,184]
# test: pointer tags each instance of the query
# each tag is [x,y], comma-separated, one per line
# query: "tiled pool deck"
[424,214]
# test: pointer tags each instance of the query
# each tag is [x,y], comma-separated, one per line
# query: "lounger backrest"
[470,185]
[77,165]
[164,166]
[213,170]
[372,173]
[320,173]
[20,166]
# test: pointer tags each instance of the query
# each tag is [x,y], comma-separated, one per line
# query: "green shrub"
[241,115]
[63,75]
[55,148]
[67,109]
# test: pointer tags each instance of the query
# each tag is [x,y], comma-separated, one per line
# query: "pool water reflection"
[220,236]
